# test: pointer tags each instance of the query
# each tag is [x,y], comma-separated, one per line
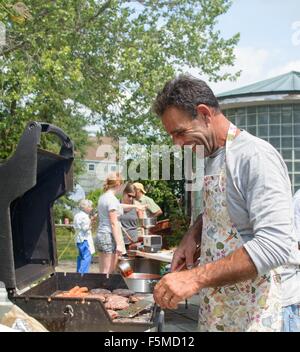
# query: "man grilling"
[245,229]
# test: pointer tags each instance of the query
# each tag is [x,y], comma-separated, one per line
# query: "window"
[286,142]
[296,141]
[297,179]
[91,167]
[240,120]
[241,111]
[287,130]
[297,130]
[275,118]
[262,109]
[287,154]
[113,168]
[263,131]
[263,118]
[232,119]
[297,154]
[275,130]
[297,116]
[274,108]
[252,130]
[286,114]
[297,166]
[275,142]
[251,120]
[251,110]
[289,165]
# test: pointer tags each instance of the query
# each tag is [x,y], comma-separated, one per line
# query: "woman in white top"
[109,239]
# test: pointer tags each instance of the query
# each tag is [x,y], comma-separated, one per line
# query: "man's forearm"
[195,230]
[156,214]
[234,268]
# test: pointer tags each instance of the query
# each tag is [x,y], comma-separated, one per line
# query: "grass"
[66,247]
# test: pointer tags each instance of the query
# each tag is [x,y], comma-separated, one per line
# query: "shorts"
[105,243]
[291,318]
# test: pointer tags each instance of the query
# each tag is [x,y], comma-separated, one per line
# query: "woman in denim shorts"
[109,240]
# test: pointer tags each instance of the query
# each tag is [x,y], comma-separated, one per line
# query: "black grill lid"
[30,181]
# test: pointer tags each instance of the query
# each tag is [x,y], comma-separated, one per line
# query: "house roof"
[283,84]
[94,153]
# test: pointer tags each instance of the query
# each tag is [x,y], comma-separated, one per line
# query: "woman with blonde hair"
[109,239]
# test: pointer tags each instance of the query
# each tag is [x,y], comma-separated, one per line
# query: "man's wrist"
[200,277]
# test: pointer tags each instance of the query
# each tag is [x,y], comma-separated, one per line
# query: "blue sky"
[266,46]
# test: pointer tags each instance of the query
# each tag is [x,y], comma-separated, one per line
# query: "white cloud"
[252,62]
[288,67]
[256,65]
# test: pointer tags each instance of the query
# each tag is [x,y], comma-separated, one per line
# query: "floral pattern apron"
[252,305]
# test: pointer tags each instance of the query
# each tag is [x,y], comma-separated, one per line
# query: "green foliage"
[71,63]
[63,209]
[94,196]
[165,195]
[74,62]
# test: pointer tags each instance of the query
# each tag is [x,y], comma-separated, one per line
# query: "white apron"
[252,305]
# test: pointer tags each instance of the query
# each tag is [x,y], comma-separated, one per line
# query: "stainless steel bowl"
[147,222]
[141,282]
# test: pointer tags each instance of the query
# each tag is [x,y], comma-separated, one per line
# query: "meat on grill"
[134,299]
[96,295]
[75,292]
[112,314]
[123,292]
[115,302]
[101,291]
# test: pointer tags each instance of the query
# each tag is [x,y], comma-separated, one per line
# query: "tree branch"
[13,48]
[101,10]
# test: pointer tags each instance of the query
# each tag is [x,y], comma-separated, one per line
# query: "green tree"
[73,62]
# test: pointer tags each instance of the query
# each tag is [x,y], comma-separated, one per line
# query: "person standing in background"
[109,239]
[129,219]
[83,236]
[152,209]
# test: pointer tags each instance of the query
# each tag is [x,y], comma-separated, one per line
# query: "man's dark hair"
[185,92]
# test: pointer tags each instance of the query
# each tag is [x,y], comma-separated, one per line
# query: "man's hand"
[189,249]
[175,287]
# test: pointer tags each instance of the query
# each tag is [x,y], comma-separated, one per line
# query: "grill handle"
[67,145]
[69,311]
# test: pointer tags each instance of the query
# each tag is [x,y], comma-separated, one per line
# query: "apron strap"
[230,135]
[229,139]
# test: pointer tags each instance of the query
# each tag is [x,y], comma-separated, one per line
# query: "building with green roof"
[270,110]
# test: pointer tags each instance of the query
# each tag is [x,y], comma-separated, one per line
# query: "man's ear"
[204,112]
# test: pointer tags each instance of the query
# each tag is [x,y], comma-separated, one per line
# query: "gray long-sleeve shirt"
[260,205]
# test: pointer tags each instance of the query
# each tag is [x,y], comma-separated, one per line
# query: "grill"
[30,182]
